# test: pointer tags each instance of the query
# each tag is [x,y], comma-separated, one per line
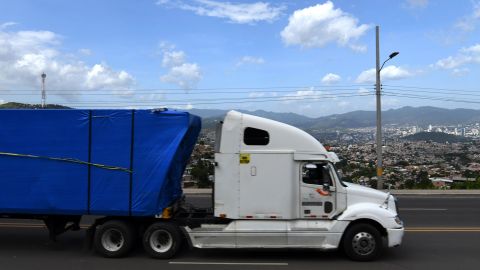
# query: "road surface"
[443,232]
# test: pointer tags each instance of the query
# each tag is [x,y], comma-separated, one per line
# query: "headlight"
[398,221]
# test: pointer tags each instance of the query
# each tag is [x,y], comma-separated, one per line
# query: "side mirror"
[326,187]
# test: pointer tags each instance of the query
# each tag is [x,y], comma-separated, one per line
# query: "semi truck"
[275,186]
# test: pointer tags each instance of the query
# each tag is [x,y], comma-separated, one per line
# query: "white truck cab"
[277,187]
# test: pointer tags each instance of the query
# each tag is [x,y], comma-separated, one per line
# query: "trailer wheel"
[362,242]
[162,240]
[114,239]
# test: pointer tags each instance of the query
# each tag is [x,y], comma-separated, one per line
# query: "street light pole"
[44,95]
[379,112]
[379,108]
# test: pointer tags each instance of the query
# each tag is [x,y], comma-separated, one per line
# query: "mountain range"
[420,116]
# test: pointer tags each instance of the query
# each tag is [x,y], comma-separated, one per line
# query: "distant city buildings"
[406,163]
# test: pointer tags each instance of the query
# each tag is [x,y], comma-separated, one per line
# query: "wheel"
[362,242]
[114,239]
[162,240]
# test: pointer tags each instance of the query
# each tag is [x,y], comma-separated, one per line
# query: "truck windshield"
[340,178]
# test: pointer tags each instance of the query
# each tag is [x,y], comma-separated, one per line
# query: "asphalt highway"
[443,232]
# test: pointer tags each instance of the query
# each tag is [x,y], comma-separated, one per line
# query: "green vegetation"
[200,172]
[422,181]
[438,137]
[418,180]
[467,185]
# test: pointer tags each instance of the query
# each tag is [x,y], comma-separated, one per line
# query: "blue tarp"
[102,162]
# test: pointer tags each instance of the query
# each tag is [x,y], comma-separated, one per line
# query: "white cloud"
[343,104]
[460,72]
[452,61]
[469,22]
[180,72]
[6,25]
[2,101]
[250,60]
[24,55]
[187,106]
[236,13]
[173,58]
[358,48]
[321,24]
[101,76]
[331,78]
[388,73]
[86,52]
[465,56]
[262,94]
[417,4]
[310,94]
[364,91]
[186,75]
[390,102]
[475,49]
[151,97]
[256,94]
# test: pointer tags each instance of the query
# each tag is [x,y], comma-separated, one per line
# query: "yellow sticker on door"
[244,158]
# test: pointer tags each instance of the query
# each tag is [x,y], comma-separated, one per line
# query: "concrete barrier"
[197,191]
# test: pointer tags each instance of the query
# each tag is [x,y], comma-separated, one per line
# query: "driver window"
[316,174]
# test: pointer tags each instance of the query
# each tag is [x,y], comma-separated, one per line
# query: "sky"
[309,57]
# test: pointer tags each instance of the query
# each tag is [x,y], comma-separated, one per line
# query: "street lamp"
[392,55]
[379,109]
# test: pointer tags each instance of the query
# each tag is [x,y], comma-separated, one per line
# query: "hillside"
[357,119]
[210,117]
[402,116]
[438,137]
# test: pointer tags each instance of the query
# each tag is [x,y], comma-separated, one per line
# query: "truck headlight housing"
[398,221]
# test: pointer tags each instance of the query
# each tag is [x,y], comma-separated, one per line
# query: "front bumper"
[395,237]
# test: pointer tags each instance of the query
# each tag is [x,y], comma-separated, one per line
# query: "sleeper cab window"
[255,136]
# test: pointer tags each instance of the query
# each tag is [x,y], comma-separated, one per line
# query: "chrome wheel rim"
[161,241]
[112,240]
[363,243]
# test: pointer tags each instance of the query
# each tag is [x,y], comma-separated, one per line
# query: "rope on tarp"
[71,160]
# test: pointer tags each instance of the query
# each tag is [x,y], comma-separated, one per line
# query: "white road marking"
[442,229]
[423,209]
[231,263]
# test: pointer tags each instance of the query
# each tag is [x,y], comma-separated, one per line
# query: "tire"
[162,240]
[362,242]
[114,239]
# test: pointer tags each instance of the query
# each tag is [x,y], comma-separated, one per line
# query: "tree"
[201,172]
[423,182]
[467,184]
[409,184]
[469,174]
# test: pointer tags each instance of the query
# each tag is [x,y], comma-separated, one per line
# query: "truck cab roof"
[247,133]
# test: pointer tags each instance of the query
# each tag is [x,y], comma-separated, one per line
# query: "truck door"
[317,191]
